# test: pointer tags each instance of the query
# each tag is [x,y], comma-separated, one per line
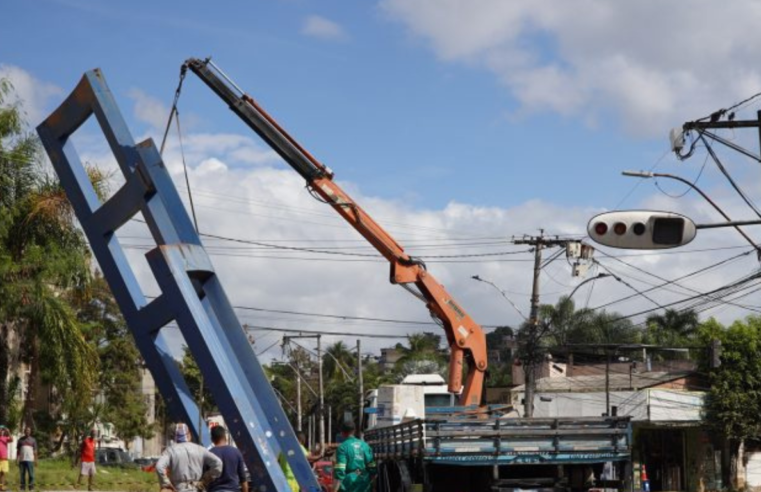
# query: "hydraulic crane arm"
[465,337]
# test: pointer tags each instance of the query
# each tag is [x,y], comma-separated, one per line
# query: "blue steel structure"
[191,293]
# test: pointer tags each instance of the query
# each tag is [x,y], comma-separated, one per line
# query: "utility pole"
[309,432]
[532,345]
[322,395]
[298,399]
[361,390]
[607,382]
[321,410]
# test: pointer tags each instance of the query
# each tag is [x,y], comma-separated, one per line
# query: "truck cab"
[417,396]
[436,394]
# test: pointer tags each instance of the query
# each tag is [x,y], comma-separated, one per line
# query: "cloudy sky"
[458,124]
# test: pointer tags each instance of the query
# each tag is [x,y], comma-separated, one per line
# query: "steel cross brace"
[191,293]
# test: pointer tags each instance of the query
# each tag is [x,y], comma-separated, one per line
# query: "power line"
[735,284]
[668,282]
[328,333]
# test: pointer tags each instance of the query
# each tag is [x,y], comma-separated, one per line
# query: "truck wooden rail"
[501,450]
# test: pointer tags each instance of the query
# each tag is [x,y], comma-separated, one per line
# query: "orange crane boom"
[466,339]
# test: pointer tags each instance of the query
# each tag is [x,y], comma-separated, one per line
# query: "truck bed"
[505,441]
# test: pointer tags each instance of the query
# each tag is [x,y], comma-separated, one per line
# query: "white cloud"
[322,28]
[149,109]
[267,203]
[34,93]
[655,64]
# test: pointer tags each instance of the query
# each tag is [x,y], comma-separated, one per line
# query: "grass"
[57,474]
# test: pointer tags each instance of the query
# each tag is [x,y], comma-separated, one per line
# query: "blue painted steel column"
[191,293]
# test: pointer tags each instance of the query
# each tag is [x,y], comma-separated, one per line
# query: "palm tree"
[44,261]
[672,328]
[338,361]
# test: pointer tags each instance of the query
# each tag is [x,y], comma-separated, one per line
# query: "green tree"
[562,324]
[44,264]
[338,361]
[672,328]
[733,402]
[120,372]
[193,378]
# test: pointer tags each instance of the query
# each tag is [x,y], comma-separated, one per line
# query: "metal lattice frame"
[191,293]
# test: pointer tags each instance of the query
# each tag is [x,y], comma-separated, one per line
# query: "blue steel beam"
[191,293]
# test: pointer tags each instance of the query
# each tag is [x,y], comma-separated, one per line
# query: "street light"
[502,293]
[601,275]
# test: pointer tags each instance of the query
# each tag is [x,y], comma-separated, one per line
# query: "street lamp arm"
[590,279]
[502,293]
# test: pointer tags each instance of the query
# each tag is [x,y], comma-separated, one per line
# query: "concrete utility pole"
[361,390]
[529,367]
[298,399]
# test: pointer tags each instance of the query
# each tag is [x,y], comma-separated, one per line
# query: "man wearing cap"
[355,467]
[181,467]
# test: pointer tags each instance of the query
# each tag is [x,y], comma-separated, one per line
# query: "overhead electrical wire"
[726,174]
[328,333]
[747,279]
[668,282]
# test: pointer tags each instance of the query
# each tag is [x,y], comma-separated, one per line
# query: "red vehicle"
[324,472]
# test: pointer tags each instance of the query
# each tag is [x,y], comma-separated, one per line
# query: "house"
[670,441]
[388,359]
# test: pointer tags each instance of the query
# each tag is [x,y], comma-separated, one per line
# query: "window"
[438,400]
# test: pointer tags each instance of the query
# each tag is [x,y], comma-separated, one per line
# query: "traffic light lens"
[619,228]
[601,228]
[639,228]
[668,231]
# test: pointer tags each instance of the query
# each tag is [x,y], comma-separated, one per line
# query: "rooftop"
[618,382]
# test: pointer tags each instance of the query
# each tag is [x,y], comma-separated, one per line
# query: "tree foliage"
[733,403]
[120,375]
[44,265]
[673,328]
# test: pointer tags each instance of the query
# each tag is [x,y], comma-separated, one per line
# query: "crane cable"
[174,113]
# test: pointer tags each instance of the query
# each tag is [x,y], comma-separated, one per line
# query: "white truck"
[415,397]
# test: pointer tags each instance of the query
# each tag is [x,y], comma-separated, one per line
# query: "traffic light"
[641,229]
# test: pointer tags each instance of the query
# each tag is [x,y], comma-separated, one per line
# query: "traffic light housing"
[641,229]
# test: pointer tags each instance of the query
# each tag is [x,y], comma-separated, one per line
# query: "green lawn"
[59,475]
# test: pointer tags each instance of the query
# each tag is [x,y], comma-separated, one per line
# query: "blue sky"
[373,100]
[449,120]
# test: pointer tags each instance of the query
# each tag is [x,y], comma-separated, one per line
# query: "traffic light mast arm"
[466,339]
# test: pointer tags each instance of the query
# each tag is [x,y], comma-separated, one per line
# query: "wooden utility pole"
[532,344]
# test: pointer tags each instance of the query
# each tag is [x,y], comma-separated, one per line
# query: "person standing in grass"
[26,455]
[86,458]
[5,438]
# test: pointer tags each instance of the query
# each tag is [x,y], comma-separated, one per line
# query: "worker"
[355,469]
[287,471]
[181,467]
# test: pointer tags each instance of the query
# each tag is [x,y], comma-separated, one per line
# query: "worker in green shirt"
[355,467]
